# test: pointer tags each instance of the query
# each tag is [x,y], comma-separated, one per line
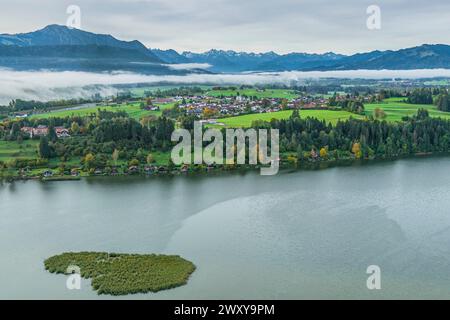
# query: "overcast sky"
[245,25]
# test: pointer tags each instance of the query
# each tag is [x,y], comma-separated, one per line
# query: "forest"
[311,138]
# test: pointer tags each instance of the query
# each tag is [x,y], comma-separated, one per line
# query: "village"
[202,106]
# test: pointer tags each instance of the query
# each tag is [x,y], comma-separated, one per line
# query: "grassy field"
[268,93]
[13,150]
[122,274]
[28,150]
[133,109]
[161,158]
[327,115]
[395,109]
[443,82]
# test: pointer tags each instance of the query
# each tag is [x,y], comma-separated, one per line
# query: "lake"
[296,235]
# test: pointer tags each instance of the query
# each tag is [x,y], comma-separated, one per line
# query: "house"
[133,169]
[74,173]
[152,108]
[149,169]
[114,171]
[47,173]
[163,100]
[310,105]
[62,132]
[40,131]
[28,130]
[208,121]
[162,169]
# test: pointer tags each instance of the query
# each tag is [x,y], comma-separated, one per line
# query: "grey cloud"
[247,25]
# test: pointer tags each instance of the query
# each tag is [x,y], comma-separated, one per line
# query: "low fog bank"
[48,85]
[188,66]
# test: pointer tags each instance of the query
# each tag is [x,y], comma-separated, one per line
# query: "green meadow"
[443,82]
[14,150]
[133,109]
[396,109]
[327,115]
[28,149]
[267,93]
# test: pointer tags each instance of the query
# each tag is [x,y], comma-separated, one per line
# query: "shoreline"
[203,170]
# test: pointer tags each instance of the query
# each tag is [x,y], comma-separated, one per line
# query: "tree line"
[313,138]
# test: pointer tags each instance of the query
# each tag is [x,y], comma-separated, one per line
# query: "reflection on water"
[305,234]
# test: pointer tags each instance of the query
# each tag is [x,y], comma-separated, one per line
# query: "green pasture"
[396,109]
[327,115]
[14,150]
[133,109]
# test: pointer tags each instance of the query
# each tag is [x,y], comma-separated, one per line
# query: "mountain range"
[58,47]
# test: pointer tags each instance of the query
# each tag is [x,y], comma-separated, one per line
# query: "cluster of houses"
[153,170]
[114,171]
[238,105]
[311,102]
[41,131]
[148,170]
[165,100]
[232,105]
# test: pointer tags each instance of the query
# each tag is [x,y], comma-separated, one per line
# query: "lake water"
[302,234]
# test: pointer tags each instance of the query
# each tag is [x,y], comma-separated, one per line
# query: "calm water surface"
[304,234]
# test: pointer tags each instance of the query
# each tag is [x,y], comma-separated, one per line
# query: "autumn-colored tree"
[379,113]
[146,121]
[208,113]
[89,160]
[292,159]
[150,158]
[323,152]
[134,162]
[356,150]
[75,128]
